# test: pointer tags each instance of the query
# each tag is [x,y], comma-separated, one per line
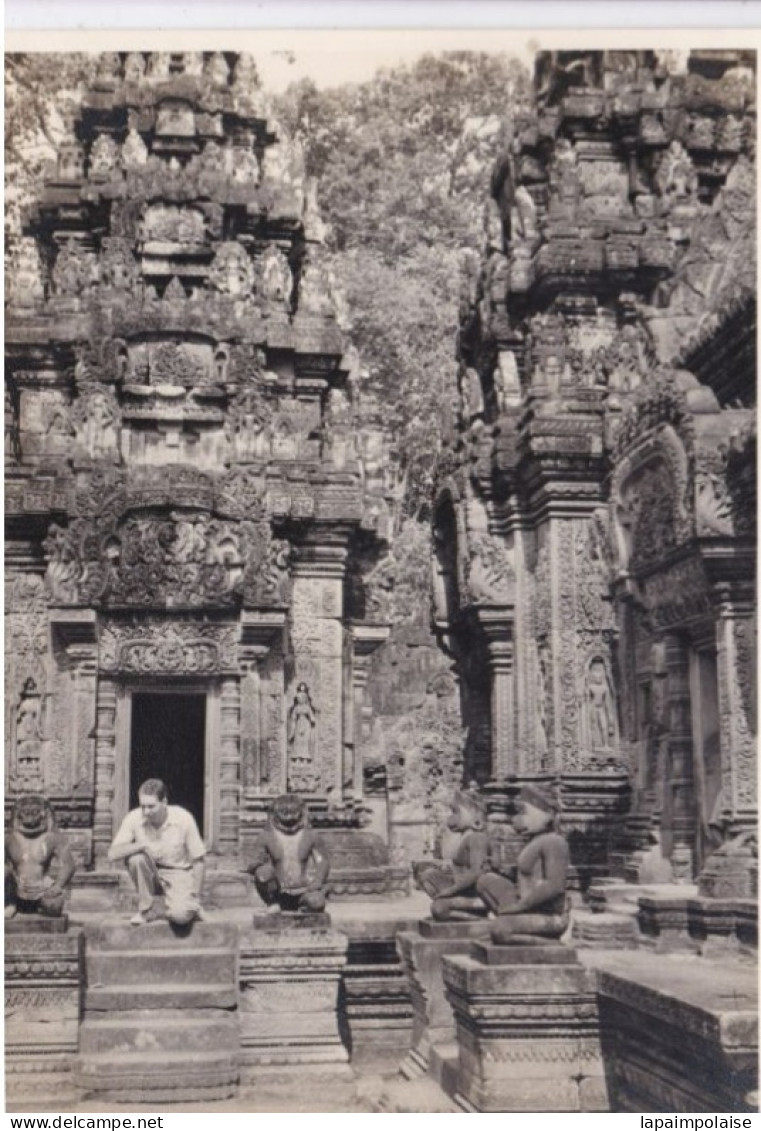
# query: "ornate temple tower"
[183,489]
[599,612]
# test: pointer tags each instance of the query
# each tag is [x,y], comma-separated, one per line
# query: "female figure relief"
[302,730]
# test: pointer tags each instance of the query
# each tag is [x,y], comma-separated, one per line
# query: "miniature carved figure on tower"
[676,179]
[316,291]
[454,891]
[134,150]
[75,270]
[231,272]
[244,166]
[118,268]
[109,68]
[276,278]
[38,863]
[249,426]
[216,69]
[25,278]
[134,66]
[71,161]
[531,906]
[96,423]
[104,156]
[565,182]
[158,65]
[290,868]
[303,773]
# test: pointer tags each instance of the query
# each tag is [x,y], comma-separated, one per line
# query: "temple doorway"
[168,741]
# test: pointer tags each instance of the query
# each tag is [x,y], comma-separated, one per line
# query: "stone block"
[158,1031]
[289,984]
[376,1000]
[421,952]
[192,996]
[119,934]
[527,1033]
[43,991]
[165,966]
[678,1036]
[179,1077]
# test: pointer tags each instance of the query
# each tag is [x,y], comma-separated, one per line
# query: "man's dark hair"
[154,787]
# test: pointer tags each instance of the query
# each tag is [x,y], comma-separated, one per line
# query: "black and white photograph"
[380,559]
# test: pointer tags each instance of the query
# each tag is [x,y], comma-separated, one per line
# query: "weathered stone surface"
[289,983]
[527,1037]
[421,953]
[492,954]
[161,1020]
[44,976]
[678,1035]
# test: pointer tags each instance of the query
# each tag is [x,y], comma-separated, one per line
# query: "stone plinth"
[43,989]
[376,999]
[421,952]
[290,971]
[160,1022]
[527,1030]
[678,1035]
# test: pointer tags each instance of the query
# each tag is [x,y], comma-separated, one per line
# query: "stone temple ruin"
[198,513]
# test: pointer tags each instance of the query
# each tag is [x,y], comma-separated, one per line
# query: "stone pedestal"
[421,952]
[43,987]
[290,971]
[527,1030]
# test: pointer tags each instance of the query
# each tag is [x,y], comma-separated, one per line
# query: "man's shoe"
[138,920]
[201,915]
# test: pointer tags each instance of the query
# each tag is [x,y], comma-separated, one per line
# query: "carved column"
[497,626]
[260,728]
[229,766]
[84,657]
[317,639]
[366,638]
[105,767]
[678,777]
[736,678]
[250,724]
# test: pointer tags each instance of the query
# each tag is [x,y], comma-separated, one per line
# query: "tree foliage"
[42,93]
[403,163]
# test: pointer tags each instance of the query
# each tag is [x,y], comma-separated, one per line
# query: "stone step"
[120,934]
[159,1031]
[167,964]
[222,995]
[141,1077]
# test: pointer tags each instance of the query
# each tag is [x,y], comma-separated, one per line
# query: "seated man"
[289,868]
[535,909]
[164,854]
[38,862]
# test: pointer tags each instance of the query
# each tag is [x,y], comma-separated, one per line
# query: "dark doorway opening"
[169,742]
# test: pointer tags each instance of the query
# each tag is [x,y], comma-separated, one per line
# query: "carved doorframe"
[129,686]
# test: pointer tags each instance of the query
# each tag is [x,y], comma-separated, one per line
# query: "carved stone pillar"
[105,767]
[229,766]
[737,725]
[250,724]
[261,763]
[75,725]
[497,626]
[678,786]
[318,662]
[366,638]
